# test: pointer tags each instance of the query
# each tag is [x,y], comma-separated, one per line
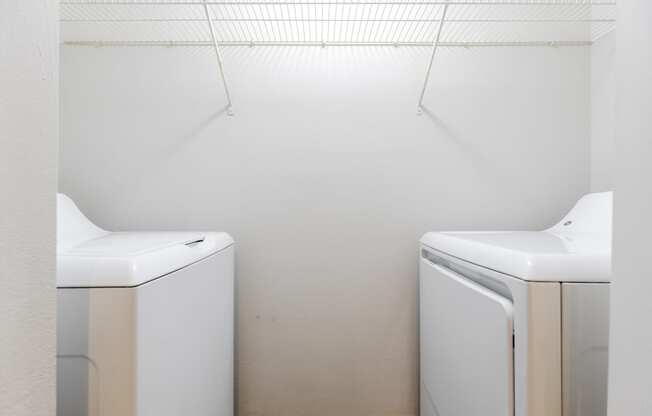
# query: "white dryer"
[517,323]
[145,321]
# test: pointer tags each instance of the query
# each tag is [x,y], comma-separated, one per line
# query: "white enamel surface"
[164,348]
[577,249]
[466,340]
[186,348]
[73,227]
[88,256]
[536,325]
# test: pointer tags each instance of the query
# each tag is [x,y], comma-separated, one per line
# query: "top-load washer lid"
[88,256]
[577,249]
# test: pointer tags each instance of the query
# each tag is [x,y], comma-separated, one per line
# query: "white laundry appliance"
[517,323]
[145,321]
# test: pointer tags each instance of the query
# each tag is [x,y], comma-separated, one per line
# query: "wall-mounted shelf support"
[326,23]
[435,45]
[220,63]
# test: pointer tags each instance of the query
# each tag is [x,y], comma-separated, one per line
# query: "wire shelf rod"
[218,56]
[131,43]
[316,20]
[561,3]
[435,46]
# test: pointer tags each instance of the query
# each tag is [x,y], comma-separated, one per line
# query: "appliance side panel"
[73,365]
[544,350]
[95,352]
[585,348]
[112,326]
[185,340]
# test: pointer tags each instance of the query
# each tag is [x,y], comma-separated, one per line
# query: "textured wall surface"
[603,112]
[326,177]
[630,363]
[29,131]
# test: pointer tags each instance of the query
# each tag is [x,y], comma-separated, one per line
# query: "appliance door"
[467,350]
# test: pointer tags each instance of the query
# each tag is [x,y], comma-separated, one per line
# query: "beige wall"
[29,131]
[630,383]
[326,177]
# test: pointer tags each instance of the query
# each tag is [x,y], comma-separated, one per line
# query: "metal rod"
[543,43]
[543,20]
[218,55]
[435,45]
[351,3]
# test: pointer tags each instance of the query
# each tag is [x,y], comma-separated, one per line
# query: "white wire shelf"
[336,23]
[429,23]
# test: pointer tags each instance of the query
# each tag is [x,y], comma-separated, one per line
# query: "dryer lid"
[577,249]
[88,256]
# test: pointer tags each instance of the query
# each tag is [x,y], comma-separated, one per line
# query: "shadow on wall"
[495,173]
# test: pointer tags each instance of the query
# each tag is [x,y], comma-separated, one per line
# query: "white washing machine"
[517,323]
[145,321]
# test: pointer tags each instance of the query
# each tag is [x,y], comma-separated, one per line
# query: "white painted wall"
[630,383]
[29,131]
[326,178]
[603,112]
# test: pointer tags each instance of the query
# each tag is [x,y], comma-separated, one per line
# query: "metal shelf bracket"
[220,63]
[435,46]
